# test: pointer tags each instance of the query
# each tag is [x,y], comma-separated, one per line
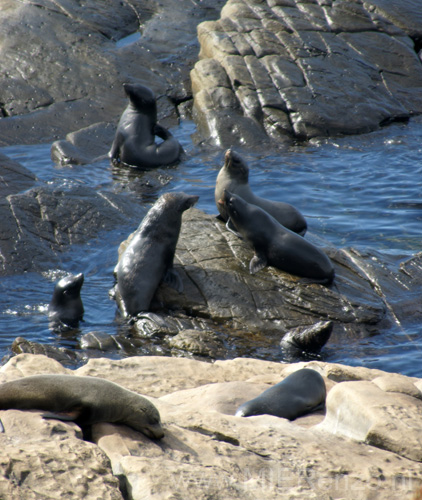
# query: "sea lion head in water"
[66,306]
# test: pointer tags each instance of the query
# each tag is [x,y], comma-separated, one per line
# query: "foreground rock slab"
[206,450]
[303,69]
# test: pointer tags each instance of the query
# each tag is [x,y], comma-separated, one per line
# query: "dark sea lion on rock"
[275,245]
[234,177]
[84,400]
[300,393]
[66,308]
[148,259]
[134,143]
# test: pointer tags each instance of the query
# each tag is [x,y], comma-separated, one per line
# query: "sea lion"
[134,142]
[274,244]
[234,177]
[299,393]
[148,259]
[66,308]
[84,400]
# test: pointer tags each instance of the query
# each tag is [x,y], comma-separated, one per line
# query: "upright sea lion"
[300,393]
[148,259]
[134,143]
[234,177]
[66,306]
[84,400]
[275,245]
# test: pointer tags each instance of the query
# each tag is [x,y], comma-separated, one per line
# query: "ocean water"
[358,191]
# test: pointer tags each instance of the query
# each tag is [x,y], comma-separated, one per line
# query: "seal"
[84,400]
[148,259]
[300,393]
[234,177]
[66,308]
[134,142]
[274,244]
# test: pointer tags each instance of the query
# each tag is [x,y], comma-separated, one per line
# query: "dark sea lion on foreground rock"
[134,143]
[234,177]
[66,308]
[84,400]
[275,245]
[299,393]
[148,259]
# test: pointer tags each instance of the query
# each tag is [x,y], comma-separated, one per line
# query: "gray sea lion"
[234,177]
[148,259]
[134,143]
[66,306]
[274,244]
[84,400]
[300,393]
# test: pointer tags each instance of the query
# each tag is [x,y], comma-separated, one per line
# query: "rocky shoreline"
[367,444]
[268,72]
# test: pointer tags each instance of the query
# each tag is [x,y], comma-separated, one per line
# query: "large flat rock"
[207,451]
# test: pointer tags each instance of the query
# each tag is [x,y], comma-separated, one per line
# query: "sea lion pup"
[84,400]
[300,393]
[66,308]
[275,245]
[134,142]
[148,259]
[234,177]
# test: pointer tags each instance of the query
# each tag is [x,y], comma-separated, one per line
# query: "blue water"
[360,191]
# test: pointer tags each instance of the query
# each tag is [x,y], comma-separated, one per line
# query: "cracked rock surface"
[292,68]
[207,451]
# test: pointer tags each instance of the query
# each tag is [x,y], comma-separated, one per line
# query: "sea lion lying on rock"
[84,400]
[274,244]
[300,393]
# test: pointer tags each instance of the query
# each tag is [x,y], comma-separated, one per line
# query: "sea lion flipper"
[1,426]
[257,263]
[66,416]
[231,227]
[172,278]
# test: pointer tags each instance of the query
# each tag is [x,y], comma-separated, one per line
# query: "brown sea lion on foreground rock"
[84,400]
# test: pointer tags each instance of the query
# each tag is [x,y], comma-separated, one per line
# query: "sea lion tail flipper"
[257,263]
[231,227]
[172,278]
[1,426]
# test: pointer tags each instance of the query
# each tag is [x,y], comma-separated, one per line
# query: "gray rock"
[294,69]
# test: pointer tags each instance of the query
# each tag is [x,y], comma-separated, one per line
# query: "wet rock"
[39,223]
[63,64]
[199,343]
[294,69]
[64,356]
[206,450]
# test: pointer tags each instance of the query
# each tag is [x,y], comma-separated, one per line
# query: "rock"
[294,69]
[268,304]
[64,65]
[364,412]
[64,356]
[39,223]
[200,343]
[207,451]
